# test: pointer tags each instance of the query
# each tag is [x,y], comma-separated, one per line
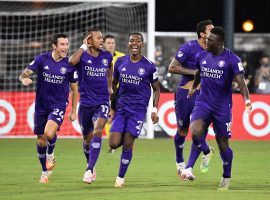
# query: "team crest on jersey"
[180,54]
[105,62]
[221,63]
[141,71]
[63,70]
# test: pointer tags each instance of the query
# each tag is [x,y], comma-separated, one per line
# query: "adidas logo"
[124,69]
[89,61]
[204,62]
[46,67]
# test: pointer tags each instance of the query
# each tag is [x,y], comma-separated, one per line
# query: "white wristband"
[84,47]
[247,102]
[154,110]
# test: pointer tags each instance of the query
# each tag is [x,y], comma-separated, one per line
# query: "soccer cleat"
[87,177]
[50,162]
[119,182]
[187,174]
[224,184]
[180,167]
[44,178]
[204,167]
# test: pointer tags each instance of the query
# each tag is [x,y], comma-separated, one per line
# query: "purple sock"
[179,145]
[194,154]
[42,156]
[51,144]
[201,144]
[227,157]
[126,157]
[94,151]
[86,151]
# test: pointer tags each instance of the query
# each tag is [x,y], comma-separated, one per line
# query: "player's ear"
[202,34]
[53,46]
[90,40]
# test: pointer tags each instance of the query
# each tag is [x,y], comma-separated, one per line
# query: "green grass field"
[152,173]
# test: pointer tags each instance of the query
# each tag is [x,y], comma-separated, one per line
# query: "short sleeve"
[153,77]
[236,65]
[35,64]
[73,75]
[116,66]
[182,54]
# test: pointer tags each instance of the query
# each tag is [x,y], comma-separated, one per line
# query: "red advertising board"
[17,109]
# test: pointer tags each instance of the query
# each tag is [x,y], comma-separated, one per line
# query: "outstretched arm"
[156,95]
[74,98]
[176,68]
[24,77]
[240,79]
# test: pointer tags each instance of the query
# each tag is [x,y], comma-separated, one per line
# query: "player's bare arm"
[240,79]
[176,68]
[156,95]
[24,77]
[109,78]
[197,80]
[75,58]
[74,98]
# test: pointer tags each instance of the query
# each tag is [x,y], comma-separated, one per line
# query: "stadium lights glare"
[248,26]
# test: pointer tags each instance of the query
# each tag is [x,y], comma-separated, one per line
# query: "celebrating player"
[54,76]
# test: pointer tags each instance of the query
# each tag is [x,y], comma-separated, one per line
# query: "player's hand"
[154,117]
[72,116]
[190,92]
[248,106]
[27,81]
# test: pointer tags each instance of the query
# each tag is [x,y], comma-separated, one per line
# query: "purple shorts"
[89,115]
[125,122]
[221,119]
[184,106]
[41,118]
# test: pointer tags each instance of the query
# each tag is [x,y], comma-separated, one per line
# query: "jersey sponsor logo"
[141,71]
[63,70]
[46,67]
[221,63]
[180,54]
[124,69]
[125,161]
[105,62]
[240,66]
[31,63]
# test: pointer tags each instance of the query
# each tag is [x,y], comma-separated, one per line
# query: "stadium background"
[27,26]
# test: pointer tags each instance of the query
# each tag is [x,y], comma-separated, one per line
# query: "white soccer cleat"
[119,182]
[50,161]
[187,174]
[204,167]
[224,184]
[44,178]
[180,167]
[87,177]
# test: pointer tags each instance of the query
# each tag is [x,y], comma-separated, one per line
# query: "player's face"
[212,42]
[135,44]
[61,48]
[96,40]
[109,45]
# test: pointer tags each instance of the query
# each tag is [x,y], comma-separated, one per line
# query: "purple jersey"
[93,84]
[53,81]
[217,73]
[186,56]
[134,83]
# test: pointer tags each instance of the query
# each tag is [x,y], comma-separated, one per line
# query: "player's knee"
[127,147]
[196,130]
[97,132]
[114,145]
[182,131]
[42,141]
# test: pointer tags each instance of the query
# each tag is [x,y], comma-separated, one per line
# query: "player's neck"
[93,52]
[56,56]
[218,51]
[135,58]
[202,43]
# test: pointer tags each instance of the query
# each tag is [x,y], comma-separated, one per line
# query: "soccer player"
[184,63]
[55,75]
[110,45]
[135,75]
[217,68]
[95,85]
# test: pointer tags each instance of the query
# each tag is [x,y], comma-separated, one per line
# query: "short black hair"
[201,26]
[55,38]
[108,36]
[220,32]
[137,33]
[90,30]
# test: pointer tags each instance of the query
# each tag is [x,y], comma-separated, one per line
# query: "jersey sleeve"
[199,57]
[153,77]
[73,75]
[35,64]
[182,54]
[236,65]
[116,65]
